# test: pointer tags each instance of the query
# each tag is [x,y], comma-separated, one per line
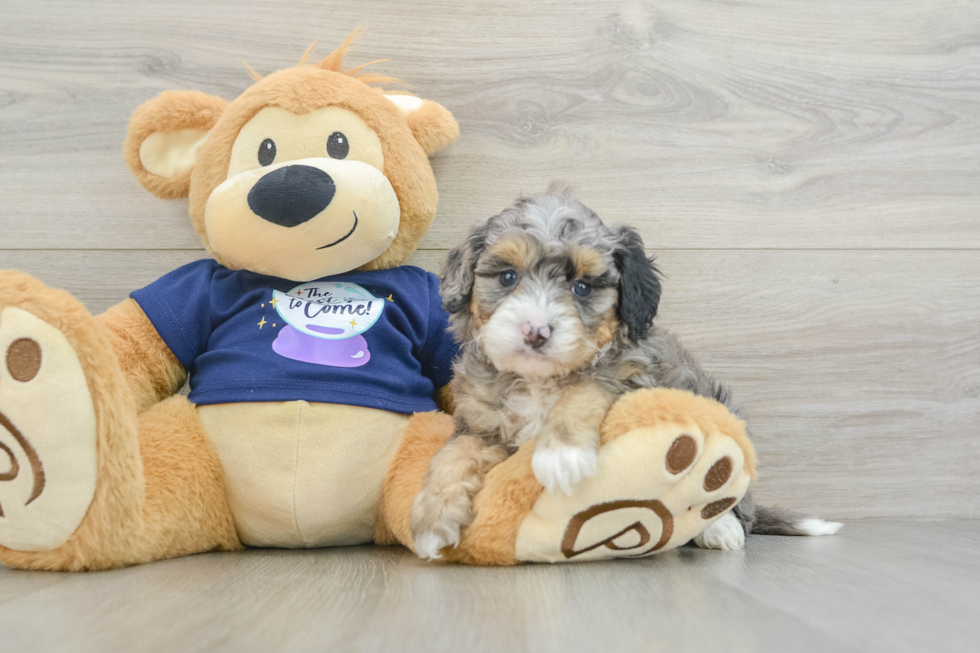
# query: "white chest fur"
[527,407]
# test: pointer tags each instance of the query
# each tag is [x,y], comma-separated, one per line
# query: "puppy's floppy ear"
[456,285]
[431,123]
[164,136]
[639,283]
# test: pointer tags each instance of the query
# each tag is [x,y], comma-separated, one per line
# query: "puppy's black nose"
[291,195]
[535,336]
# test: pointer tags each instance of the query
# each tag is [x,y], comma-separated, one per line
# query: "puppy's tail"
[773,520]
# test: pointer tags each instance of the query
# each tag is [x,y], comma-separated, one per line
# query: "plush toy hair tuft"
[334,62]
[251,71]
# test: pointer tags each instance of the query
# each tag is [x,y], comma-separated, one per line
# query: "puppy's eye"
[338,146]
[581,288]
[267,152]
[508,278]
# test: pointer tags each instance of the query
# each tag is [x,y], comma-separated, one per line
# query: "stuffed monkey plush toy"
[315,361]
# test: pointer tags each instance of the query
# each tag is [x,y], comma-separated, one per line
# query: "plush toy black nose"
[291,195]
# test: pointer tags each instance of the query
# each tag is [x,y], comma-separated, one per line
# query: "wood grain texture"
[807,170]
[775,123]
[895,587]
[859,371]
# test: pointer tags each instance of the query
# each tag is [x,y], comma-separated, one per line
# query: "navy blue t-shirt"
[374,339]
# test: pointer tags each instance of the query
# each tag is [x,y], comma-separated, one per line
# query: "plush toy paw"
[670,465]
[725,534]
[47,423]
[560,467]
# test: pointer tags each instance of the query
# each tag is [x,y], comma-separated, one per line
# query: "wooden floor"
[893,587]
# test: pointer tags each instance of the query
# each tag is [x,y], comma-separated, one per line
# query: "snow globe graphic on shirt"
[324,323]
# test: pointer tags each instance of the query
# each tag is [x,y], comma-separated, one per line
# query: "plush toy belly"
[301,474]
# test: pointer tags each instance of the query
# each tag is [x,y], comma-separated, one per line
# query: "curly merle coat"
[555,314]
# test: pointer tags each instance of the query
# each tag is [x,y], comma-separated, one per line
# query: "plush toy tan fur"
[109,466]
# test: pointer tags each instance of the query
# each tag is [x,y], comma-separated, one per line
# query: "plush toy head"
[309,172]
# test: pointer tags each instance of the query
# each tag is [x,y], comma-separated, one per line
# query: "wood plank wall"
[808,174]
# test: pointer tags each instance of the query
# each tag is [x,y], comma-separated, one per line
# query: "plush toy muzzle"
[303,219]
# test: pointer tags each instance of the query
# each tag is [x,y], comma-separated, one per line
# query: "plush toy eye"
[267,152]
[508,278]
[581,288]
[338,146]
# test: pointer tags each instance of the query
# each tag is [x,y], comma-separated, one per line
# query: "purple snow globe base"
[350,352]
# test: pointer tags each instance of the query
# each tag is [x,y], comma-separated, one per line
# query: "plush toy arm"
[151,369]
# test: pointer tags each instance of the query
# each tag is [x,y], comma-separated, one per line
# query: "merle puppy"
[554,311]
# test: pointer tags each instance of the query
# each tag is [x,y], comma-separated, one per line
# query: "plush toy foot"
[86,482]
[47,422]
[670,465]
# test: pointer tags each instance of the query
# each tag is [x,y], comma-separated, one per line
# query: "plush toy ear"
[164,137]
[431,123]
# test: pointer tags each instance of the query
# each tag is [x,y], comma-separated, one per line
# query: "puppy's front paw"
[562,467]
[435,523]
[725,534]
[430,543]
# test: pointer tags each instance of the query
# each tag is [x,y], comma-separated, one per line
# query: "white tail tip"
[817,527]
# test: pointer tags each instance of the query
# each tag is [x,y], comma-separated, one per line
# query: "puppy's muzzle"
[292,195]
